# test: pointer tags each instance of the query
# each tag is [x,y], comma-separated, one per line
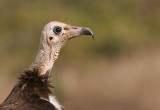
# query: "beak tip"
[92,36]
[87,31]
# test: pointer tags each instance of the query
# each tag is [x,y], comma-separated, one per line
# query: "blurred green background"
[119,70]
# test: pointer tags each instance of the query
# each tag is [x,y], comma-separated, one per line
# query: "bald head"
[54,35]
[57,32]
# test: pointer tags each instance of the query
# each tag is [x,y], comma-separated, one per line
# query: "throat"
[45,60]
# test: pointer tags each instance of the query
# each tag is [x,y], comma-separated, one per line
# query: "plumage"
[32,92]
[29,92]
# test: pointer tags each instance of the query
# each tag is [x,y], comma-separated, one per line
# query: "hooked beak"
[78,31]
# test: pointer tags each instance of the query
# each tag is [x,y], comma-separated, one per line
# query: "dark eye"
[57,30]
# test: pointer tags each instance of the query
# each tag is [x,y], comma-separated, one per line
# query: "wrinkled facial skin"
[57,32]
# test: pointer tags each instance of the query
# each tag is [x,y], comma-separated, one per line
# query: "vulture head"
[57,33]
[54,36]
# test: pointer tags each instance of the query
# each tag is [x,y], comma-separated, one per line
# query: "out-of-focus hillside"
[119,70]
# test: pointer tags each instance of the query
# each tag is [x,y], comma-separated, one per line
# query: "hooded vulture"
[32,91]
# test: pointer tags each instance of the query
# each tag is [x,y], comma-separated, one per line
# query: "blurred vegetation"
[119,26]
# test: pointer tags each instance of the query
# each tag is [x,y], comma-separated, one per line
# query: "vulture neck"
[45,58]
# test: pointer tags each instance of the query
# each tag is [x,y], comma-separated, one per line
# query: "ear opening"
[50,38]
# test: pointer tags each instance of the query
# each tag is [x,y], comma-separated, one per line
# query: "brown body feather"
[30,93]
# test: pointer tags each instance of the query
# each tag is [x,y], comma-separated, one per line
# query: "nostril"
[74,28]
[50,38]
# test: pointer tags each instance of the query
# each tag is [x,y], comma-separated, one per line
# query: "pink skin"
[77,31]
